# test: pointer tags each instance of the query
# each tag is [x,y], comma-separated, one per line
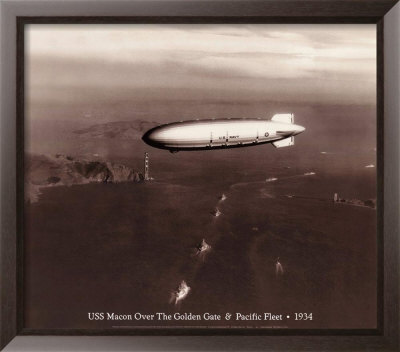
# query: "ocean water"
[124,248]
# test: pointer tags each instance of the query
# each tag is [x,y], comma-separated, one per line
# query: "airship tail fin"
[287,142]
[285,118]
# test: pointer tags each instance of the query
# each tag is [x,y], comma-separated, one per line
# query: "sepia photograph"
[200,176]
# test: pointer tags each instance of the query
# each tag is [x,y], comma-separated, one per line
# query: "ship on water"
[181,293]
[278,268]
[222,197]
[203,246]
[271,179]
[216,212]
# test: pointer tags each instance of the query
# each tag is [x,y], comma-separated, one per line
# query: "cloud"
[318,62]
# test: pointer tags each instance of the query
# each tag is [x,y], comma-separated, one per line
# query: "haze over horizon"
[106,73]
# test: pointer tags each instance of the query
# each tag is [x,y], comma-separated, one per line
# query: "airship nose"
[150,137]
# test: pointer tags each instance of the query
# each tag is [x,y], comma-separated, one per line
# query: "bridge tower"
[146,167]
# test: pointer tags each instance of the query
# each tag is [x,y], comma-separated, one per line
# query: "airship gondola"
[223,133]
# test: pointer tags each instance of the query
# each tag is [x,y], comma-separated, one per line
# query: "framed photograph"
[188,173]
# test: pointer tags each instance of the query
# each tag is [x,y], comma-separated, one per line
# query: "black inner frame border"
[208,331]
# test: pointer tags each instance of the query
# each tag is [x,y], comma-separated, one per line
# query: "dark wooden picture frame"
[293,11]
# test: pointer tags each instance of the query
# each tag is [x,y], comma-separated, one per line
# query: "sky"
[79,65]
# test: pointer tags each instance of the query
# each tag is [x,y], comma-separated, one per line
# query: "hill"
[129,130]
[61,170]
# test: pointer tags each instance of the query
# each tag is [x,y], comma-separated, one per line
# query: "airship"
[211,134]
